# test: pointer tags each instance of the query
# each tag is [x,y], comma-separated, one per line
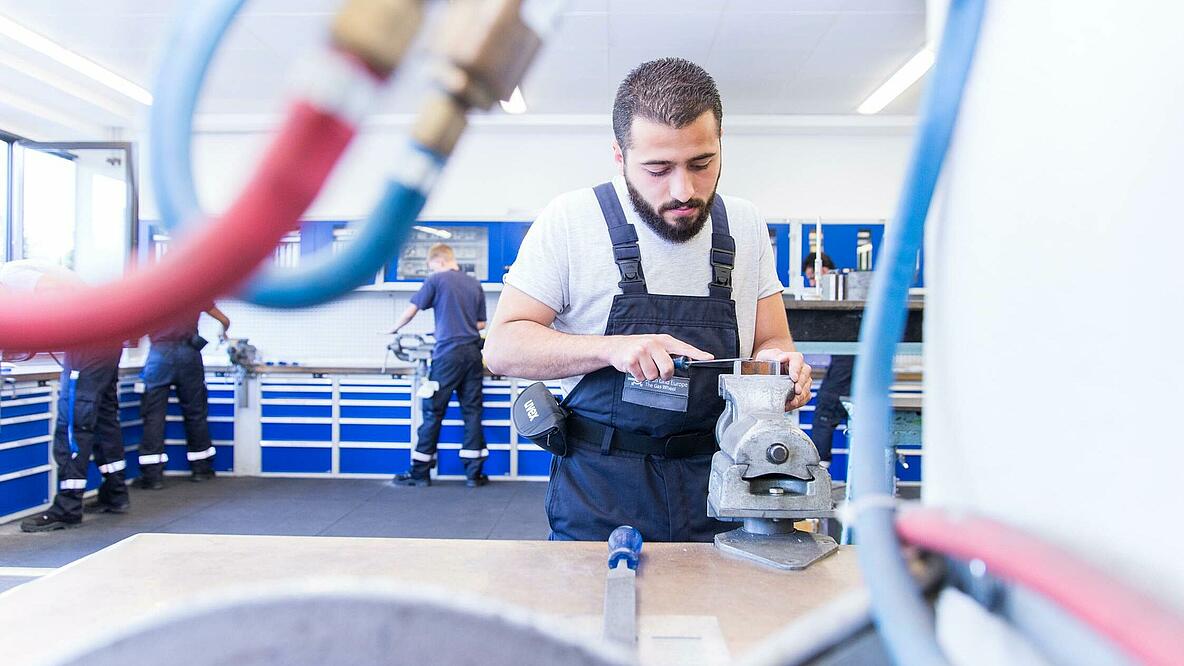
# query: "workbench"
[696,605]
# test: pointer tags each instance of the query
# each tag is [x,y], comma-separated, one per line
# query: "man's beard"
[687,226]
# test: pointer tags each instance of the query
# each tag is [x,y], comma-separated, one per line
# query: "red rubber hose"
[215,259]
[1138,623]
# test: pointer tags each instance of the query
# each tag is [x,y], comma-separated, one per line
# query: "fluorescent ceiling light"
[84,66]
[901,81]
[516,103]
[439,233]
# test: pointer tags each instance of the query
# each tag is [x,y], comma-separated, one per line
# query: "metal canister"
[858,285]
[832,286]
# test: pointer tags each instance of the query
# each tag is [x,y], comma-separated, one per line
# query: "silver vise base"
[790,550]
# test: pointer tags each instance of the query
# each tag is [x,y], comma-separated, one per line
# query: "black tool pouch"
[198,342]
[539,418]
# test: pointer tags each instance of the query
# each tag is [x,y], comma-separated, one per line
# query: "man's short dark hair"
[671,91]
[827,262]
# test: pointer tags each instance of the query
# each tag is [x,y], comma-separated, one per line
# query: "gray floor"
[299,507]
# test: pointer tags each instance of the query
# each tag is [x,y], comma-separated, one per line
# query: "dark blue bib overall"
[632,464]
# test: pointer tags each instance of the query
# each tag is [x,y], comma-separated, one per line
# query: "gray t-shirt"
[566,263]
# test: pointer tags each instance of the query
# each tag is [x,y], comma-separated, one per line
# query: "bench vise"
[767,473]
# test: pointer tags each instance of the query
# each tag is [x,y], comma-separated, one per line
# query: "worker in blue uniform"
[87,414]
[87,422]
[828,410]
[174,361]
[458,303]
[611,282]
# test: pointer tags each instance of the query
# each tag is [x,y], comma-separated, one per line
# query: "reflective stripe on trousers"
[201,455]
[110,468]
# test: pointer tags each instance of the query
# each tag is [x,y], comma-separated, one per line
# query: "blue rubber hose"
[325,276]
[903,617]
[193,40]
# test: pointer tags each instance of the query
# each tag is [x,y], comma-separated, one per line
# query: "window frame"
[133,189]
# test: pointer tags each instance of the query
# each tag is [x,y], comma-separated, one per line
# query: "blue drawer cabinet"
[297,425]
[376,428]
[366,426]
[27,412]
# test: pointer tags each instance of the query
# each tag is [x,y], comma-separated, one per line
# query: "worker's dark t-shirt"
[181,330]
[458,302]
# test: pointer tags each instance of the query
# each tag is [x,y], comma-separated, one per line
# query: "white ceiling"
[768,56]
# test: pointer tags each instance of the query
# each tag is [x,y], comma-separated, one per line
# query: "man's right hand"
[649,356]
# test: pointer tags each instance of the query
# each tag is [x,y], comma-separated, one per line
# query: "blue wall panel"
[94,478]
[913,473]
[133,464]
[498,463]
[224,460]
[11,432]
[24,493]
[374,461]
[298,432]
[296,459]
[294,395]
[218,430]
[375,412]
[221,409]
[497,434]
[312,411]
[132,434]
[24,457]
[24,410]
[450,463]
[534,463]
[838,466]
[24,394]
[366,432]
[178,457]
[362,395]
[487,414]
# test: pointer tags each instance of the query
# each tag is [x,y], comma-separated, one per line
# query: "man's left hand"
[794,365]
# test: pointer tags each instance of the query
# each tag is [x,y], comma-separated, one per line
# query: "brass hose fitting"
[377,31]
[486,46]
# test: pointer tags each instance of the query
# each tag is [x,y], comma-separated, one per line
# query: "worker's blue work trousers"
[175,364]
[88,422]
[458,370]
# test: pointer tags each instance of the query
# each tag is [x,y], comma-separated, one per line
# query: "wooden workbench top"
[140,576]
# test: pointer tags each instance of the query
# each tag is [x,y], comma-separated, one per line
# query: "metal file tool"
[751,366]
[620,591]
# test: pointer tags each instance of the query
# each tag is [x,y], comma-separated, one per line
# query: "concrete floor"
[297,507]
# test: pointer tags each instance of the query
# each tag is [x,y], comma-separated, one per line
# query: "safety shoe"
[149,483]
[477,482]
[203,475]
[47,523]
[99,506]
[408,480]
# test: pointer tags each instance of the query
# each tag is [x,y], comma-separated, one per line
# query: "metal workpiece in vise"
[485,47]
[243,356]
[767,473]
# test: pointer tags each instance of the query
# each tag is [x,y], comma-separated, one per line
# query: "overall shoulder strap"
[723,251]
[626,252]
